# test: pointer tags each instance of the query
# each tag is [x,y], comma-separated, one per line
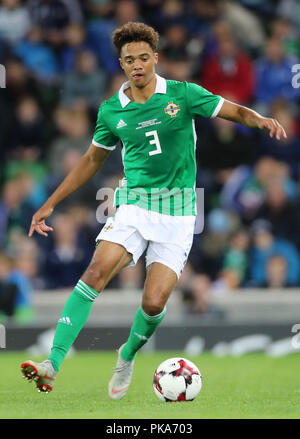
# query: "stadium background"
[243,273]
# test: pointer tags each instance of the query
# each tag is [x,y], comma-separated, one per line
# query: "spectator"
[174,46]
[245,190]
[98,9]
[15,286]
[66,261]
[100,31]
[8,290]
[75,39]
[207,251]
[229,71]
[199,287]
[30,129]
[176,70]
[86,222]
[86,195]
[265,247]
[236,256]
[14,21]
[273,76]
[12,135]
[282,212]
[227,281]
[25,164]
[226,147]
[289,152]
[74,134]
[171,12]
[276,272]
[38,57]
[53,16]
[202,14]
[74,10]
[174,54]
[24,275]
[16,210]
[289,10]
[86,84]
[66,150]
[264,9]
[114,85]
[197,291]
[247,26]
[19,83]
[282,29]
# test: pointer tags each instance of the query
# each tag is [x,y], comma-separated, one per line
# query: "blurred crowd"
[60,65]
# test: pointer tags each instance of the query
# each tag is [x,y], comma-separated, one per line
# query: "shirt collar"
[161,87]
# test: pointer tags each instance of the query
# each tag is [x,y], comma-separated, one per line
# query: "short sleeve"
[202,102]
[103,137]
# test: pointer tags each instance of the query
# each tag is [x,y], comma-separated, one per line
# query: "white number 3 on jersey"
[155,142]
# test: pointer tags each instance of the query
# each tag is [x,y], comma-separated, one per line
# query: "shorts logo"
[108,227]
[172,109]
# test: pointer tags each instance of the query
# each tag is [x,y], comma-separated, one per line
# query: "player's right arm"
[85,169]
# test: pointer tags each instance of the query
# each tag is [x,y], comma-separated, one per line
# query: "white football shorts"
[167,239]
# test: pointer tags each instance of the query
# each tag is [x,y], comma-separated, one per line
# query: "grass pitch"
[252,386]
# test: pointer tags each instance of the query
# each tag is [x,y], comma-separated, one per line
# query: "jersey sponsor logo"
[121,124]
[148,123]
[172,109]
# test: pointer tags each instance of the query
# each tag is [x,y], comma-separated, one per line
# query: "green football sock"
[73,317]
[142,329]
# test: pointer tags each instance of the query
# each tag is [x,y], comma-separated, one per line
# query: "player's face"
[138,62]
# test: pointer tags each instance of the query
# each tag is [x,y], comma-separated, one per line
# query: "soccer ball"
[177,379]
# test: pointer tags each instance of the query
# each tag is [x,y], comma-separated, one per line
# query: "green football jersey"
[158,144]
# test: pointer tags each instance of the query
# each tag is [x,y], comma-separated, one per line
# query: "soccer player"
[154,119]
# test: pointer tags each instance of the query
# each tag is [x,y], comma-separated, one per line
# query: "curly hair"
[133,31]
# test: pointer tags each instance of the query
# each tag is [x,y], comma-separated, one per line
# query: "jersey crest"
[108,227]
[172,109]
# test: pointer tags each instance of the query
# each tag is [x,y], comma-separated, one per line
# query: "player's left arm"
[250,118]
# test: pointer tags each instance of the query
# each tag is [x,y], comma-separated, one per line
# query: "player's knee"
[95,277]
[153,306]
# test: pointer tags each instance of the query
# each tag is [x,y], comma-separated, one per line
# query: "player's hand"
[276,130]
[38,222]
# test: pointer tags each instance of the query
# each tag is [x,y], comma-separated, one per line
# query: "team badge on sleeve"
[172,109]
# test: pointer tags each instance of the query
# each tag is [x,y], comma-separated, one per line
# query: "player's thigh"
[159,284]
[108,259]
